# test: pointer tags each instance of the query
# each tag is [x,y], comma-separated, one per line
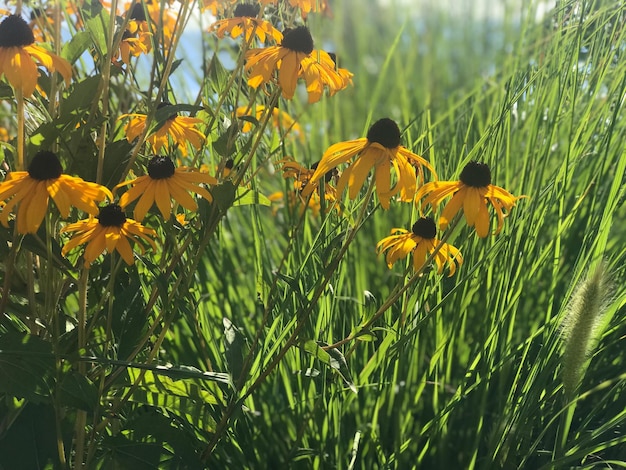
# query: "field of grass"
[264,336]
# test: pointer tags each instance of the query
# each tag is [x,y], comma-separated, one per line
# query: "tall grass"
[460,372]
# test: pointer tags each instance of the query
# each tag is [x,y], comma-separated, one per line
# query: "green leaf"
[97,26]
[224,145]
[224,195]
[167,387]
[331,357]
[190,399]
[26,366]
[6,92]
[234,345]
[78,391]
[73,49]
[81,96]
[247,196]
[35,245]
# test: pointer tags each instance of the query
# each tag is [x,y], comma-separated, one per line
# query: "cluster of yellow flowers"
[276,69]
[145,23]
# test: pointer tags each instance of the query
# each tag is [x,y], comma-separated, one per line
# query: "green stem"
[81,417]
[19,98]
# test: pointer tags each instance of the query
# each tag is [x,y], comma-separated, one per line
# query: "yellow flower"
[307,6]
[280,119]
[380,150]
[162,183]
[421,241]
[180,129]
[133,44]
[40,21]
[319,72]
[19,56]
[215,6]
[294,201]
[345,74]
[471,192]
[33,188]
[162,20]
[4,134]
[292,59]
[245,21]
[302,176]
[109,231]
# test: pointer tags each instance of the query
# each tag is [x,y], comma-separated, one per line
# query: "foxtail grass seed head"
[579,329]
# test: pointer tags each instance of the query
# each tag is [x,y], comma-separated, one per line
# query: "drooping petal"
[33,209]
[96,246]
[472,202]
[288,74]
[59,196]
[145,201]
[452,208]
[162,198]
[139,186]
[359,171]
[123,248]
[482,221]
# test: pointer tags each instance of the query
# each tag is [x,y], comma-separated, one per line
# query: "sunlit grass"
[232,320]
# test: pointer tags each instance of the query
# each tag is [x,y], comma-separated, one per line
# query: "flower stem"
[19,98]
[81,416]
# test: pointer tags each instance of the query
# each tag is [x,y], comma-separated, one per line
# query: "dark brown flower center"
[111,216]
[298,39]
[161,168]
[476,174]
[425,228]
[385,132]
[138,13]
[45,165]
[246,9]
[15,32]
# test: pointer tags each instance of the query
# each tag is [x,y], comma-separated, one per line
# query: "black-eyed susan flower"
[40,23]
[320,73]
[133,45]
[20,56]
[471,193]
[308,6]
[343,73]
[280,119]
[43,180]
[245,21]
[215,6]
[301,176]
[110,231]
[180,130]
[421,241]
[292,59]
[380,150]
[165,182]
[161,16]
